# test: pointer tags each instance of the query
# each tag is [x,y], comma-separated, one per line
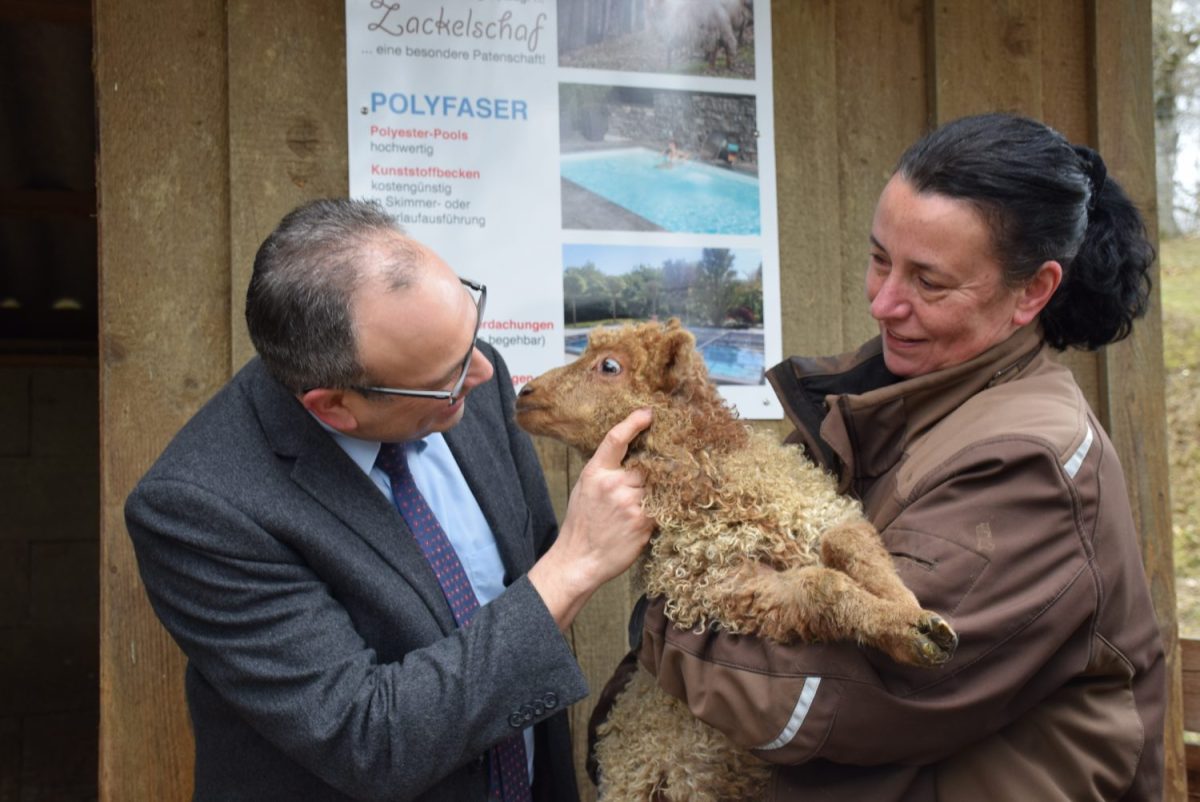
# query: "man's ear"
[1037,293]
[330,408]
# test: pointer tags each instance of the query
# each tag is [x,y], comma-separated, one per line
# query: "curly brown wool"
[752,538]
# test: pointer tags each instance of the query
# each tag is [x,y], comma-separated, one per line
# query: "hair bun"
[1094,169]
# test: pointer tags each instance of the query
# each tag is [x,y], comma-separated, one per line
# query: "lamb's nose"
[527,389]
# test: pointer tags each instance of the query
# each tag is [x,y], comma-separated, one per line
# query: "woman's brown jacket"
[1004,506]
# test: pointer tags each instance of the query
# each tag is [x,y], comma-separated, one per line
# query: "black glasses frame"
[452,395]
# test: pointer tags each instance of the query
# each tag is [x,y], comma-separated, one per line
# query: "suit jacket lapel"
[324,471]
[495,489]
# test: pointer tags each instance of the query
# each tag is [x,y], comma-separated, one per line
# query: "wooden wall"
[219,117]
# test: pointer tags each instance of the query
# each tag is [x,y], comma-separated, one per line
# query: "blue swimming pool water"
[730,365]
[688,196]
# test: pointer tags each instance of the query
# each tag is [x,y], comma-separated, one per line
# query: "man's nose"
[479,371]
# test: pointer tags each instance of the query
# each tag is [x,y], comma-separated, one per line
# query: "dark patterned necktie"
[508,773]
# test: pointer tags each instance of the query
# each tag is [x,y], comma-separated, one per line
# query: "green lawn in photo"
[1179,260]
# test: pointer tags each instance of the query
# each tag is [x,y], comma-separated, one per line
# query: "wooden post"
[163,221]
[1133,409]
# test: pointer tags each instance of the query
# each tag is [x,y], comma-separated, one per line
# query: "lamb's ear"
[677,358]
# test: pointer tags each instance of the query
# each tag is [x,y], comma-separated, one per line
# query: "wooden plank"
[1189,653]
[1066,69]
[987,57]
[163,232]
[592,643]
[599,638]
[806,148]
[287,125]
[881,110]
[1067,101]
[1132,378]
[1192,753]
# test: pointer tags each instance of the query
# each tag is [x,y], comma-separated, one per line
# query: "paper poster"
[594,162]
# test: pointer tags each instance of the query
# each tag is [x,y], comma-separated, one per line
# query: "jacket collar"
[833,400]
[325,472]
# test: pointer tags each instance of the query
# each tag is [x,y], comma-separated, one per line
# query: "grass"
[1179,260]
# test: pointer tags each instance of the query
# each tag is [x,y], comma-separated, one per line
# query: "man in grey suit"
[324,657]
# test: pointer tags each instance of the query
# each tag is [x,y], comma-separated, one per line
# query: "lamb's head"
[647,365]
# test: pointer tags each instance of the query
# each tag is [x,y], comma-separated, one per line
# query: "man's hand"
[603,530]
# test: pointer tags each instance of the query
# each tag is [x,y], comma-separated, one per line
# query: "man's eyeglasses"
[452,394]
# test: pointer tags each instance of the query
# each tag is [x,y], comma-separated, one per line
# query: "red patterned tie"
[508,774]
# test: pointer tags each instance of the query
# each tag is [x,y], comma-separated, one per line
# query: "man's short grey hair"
[299,302]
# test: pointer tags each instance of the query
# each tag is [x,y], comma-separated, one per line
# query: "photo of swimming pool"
[686,197]
[732,356]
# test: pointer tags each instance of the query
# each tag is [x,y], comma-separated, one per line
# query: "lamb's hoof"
[934,641]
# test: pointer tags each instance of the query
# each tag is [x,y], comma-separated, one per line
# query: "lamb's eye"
[610,366]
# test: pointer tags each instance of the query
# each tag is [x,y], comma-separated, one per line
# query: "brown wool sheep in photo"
[751,537]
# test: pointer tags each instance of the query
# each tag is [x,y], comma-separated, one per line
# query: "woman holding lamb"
[995,489]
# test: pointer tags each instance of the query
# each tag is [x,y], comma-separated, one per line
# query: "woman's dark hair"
[1045,199]
[298,303]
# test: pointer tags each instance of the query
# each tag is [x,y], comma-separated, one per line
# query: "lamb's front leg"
[816,603]
[856,550]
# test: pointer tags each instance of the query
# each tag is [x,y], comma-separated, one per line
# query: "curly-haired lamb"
[752,537]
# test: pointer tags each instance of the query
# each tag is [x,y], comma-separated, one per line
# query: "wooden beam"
[163,222]
[287,127]
[806,152]
[1133,408]
[1189,652]
[1190,662]
[1066,77]
[987,57]
[881,45]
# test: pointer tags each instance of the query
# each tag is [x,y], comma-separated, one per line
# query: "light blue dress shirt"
[437,476]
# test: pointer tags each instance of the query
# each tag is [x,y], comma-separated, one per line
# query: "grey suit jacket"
[323,661]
